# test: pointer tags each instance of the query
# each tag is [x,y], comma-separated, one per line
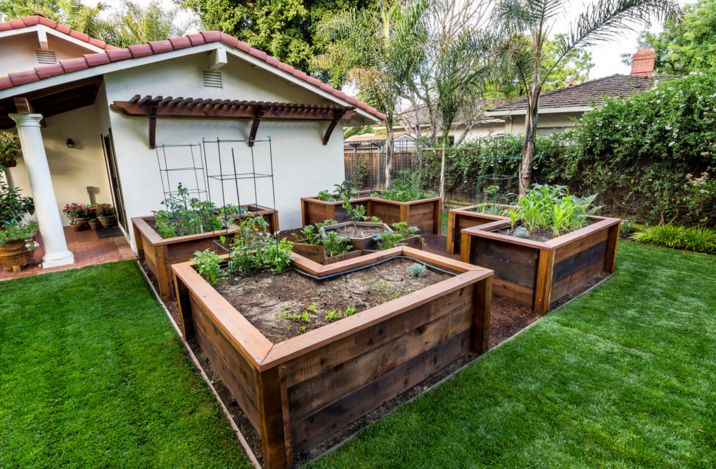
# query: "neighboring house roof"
[113,54]
[580,97]
[367,138]
[35,20]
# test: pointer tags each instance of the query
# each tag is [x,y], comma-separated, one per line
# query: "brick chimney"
[642,63]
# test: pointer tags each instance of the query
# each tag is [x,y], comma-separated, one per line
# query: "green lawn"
[623,376]
[92,374]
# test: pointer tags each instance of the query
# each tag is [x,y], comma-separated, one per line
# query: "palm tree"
[378,50]
[602,20]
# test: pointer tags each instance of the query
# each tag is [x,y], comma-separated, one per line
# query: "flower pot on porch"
[94,224]
[14,255]
[107,221]
[79,224]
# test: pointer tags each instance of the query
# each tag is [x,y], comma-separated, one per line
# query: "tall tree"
[378,50]
[286,29]
[132,24]
[688,44]
[599,21]
[69,12]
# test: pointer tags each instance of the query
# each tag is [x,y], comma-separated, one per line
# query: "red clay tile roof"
[113,54]
[34,20]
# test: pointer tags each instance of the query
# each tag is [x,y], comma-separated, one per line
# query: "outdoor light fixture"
[70,143]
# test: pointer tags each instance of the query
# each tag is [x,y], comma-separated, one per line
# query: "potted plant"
[77,214]
[16,236]
[94,224]
[9,149]
[106,215]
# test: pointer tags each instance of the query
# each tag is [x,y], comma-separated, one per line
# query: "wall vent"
[46,57]
[213,79]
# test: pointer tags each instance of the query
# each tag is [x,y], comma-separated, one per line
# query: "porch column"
[43,194]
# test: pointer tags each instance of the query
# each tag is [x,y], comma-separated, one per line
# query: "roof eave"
[542,110]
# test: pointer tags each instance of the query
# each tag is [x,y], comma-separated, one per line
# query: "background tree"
[378,50]
[286,29]
[132,24]
[599,21]
[688,44]
[72,13]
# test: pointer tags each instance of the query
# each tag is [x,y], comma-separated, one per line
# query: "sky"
[606,56]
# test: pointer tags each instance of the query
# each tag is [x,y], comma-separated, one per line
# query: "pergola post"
[43,193]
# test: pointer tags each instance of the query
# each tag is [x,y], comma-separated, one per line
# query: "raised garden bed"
[426,214]
[539,273]
[314,210]
[302,390]
[160,253]
[317,253]
[360,233]
[466,217]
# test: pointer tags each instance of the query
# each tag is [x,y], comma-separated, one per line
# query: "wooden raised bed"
[315,211]
[159,253]
[317,253]
[301,391]
[426,214]
[539,273]
[465,217]
[361,243]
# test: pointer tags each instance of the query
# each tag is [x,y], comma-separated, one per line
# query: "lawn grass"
[92,375]
[623,376]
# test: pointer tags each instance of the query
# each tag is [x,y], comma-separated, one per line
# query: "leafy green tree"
[601,20]
[132,24]
[69,12]
[286,29]
[572,70]
[688,44]
[378,50]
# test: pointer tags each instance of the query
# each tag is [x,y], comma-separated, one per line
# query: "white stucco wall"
[302,165]
[72,169]
[17,52]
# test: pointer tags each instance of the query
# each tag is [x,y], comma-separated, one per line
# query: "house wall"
[72,169]
[302,165]
[18,51]
[515,125]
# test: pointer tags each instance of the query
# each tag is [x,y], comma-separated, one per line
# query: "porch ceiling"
[54,100]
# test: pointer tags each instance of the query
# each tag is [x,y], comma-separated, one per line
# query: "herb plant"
[417,270]
[401,231]
[208,264]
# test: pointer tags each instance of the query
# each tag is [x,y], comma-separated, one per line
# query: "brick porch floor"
[88,250]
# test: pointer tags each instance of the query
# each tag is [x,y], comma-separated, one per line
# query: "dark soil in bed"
[541,235]
[289,304]
[357,231]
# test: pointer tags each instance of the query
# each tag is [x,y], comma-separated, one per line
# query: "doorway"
[114,182]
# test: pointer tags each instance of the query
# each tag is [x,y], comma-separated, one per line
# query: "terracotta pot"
[94,224]
[79,224]
[107,221]
[14,255]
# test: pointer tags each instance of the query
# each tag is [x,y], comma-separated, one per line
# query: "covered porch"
[64,160]
[88,249]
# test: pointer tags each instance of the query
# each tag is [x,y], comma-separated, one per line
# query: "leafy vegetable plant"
[208,264]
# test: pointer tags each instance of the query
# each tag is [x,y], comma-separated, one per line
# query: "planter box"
[359,243]
[268,214]
[539,273]
[301,391]
[465,217]
[426,214]
[317,253]
[315,211]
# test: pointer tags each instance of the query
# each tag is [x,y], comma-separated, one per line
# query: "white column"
[43,194]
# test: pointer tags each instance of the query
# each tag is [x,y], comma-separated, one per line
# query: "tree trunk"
[442,173]
[528,148]
[388,154]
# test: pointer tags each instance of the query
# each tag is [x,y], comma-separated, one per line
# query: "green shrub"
[697,239]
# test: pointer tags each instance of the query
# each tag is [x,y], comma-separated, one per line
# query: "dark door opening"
[114,182]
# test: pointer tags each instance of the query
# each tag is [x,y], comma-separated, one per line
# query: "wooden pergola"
[158,106]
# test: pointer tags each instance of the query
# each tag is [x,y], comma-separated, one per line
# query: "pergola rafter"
[158,106]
